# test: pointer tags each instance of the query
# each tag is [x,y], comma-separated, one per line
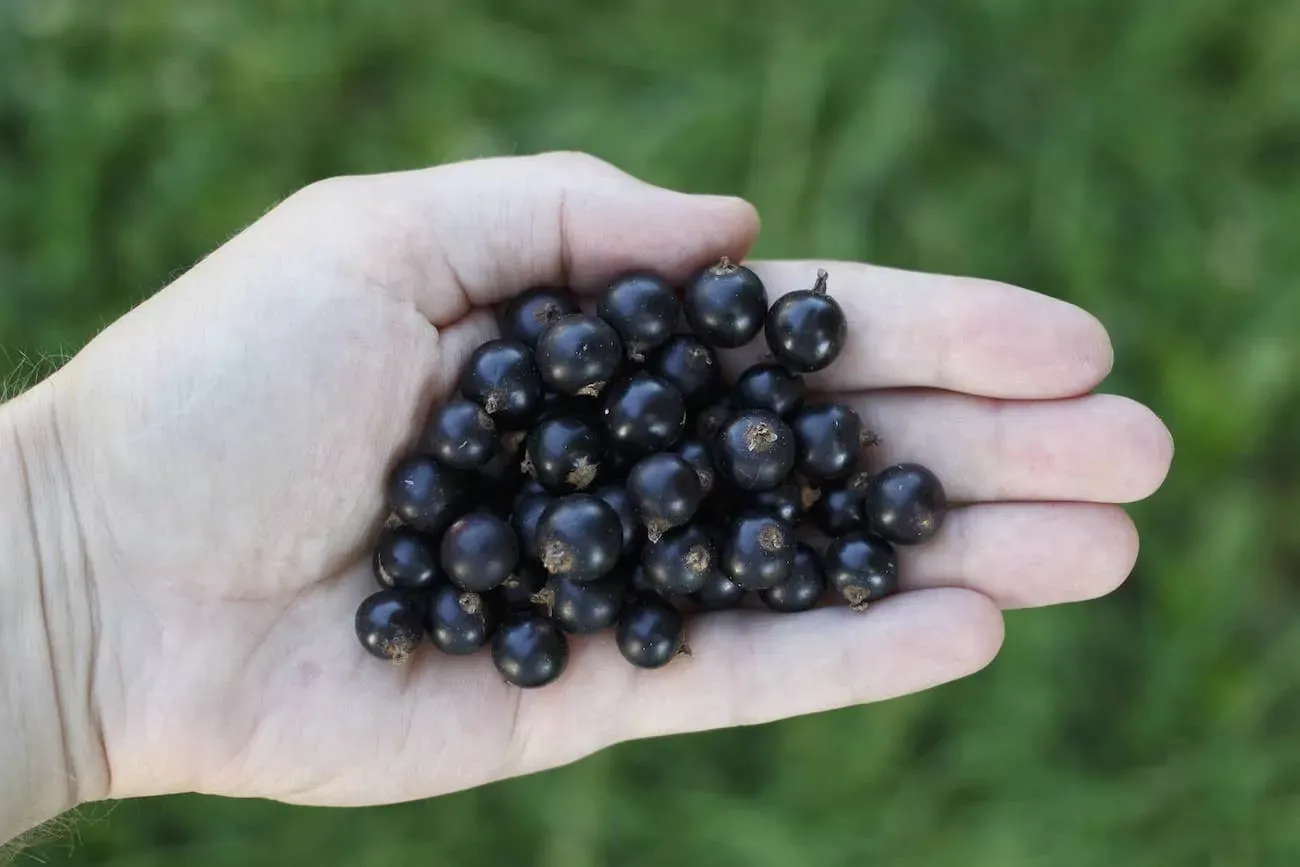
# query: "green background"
[1139,158]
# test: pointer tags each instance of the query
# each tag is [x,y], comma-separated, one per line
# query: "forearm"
[51,754]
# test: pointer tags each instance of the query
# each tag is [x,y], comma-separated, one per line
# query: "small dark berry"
[640,584]
[565,453]
[770,387]
[530,651]
[830,441]
[580,537]
[690,366]
[839,509]
[805,586]
[726,305]
[406,560]
[644,413]
[719,593]
[906,504]
[755,451]
[862,568]
[711,420]
[530,313]
[390,624]
[643,310]
[579,355]
[424,494]
[517,591]
[460,622]
[479,552]
[681,562]
[502,377]
[523,520]
[666,492]
[616,495]
[581,609]
[787,502]
[497,481]
[651,632]
[700,456]
[758,551]
[806,330]
[460,435]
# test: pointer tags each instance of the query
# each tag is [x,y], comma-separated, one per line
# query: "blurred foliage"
[1139,158]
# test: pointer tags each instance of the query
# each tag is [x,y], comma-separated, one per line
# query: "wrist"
[50,744]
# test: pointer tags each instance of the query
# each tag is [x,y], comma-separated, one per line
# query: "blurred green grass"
[1139,158]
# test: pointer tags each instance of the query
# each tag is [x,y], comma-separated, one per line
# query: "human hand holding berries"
[224,446]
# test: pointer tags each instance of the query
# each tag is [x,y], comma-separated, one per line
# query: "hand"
[227,444]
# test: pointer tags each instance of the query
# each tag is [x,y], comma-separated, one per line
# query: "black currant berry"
[579,355]
[581,609]
[643,413]
[758,551]
[390,624]
[461,435]
[690,366]
[787,502]
[616,495]
[424,494]
[460,622]
[479,552]
[643,309]
[497,482]
[529,650]
[830,441]
[709,421]
[700,456]
[530,313]
[580,537]
[770,387]
[517,591]
[666,492]
[565,453]
[806,329]
[905,503]
[719,593]
[755,451]
[862,568]
[527,511]
[839,509]
[406,560]
[726,304]
[682,562]
[805,586]
[502,377]
[651,632]
[640,584]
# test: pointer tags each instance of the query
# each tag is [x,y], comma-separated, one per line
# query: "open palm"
[229,440]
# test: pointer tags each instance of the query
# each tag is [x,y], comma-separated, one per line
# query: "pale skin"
[186,506]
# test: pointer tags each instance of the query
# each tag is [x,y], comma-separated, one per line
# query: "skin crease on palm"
[227,443]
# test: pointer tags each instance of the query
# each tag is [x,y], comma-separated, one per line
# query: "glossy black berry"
[839,509]
[643,413]
[529,650]
[758,551]
[530,313]
[517,591]
[696,453]
[565,453]
[787,502]
[390,624]
[905,504]
[665,491]
[830,441]
[479,552]
[755,451]
[806,330]
[710,420]
[616,495]
[691,366]
[460,622]
[424,494]
[497,482]
[406,560]
[681,562]
[524,516]
[502,377]
[770,387]
[581,609]
[719,593]
[805,586]
[643,310]
[862,568]
[726,304]
[580,537]
[461,435]
[579,355]
[651,632]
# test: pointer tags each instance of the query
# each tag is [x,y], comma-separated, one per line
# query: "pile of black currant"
[598,472]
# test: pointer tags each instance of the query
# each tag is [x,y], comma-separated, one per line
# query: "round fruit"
[530,651]
[690,366]
[502,377]
[905,503]
[758,551]
[640,584]
[682,562]
[616,495]
[406,560]
[700,456]
[805,586]
[581,609]
[530,313]
[580,537]
[806,330]
[565,453]
[839,509]
[523,519]
[726,304]
[517,591]
[665,491]
[770,387]
[390,624]
[424,494]
[644,413]
[830,441]
[461,435]
[755,451]
[862,568]
[460,622]
[497,482]
[643,310]
[712,419]
[579,355]
[787,502]
[719,593]
[479,552]
[651,632]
